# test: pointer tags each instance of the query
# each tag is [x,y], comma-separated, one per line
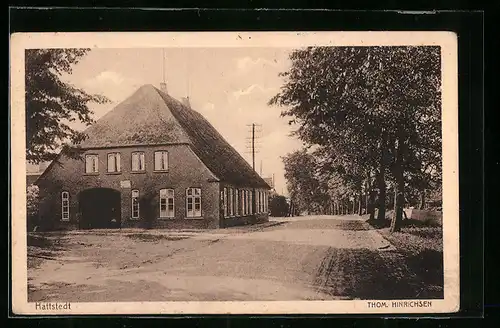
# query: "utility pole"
[252,142]
[253,146]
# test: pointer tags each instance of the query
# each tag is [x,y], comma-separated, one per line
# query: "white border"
[448,42]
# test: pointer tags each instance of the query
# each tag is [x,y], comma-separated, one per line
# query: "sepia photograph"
[264,173]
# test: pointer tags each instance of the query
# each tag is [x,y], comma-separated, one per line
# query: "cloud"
[113,85]
[207,107]
[106,78]
[252,90]
[247,63]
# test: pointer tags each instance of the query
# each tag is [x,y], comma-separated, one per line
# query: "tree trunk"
[398,208]
[422,199]
[381,178]
[360,204]
[399,188]
[381,195]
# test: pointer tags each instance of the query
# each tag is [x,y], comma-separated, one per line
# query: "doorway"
[100,208]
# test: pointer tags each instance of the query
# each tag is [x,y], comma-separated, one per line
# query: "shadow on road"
[369,274]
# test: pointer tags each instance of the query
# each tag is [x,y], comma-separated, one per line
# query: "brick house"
[152,162]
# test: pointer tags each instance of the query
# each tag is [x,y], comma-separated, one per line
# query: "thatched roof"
[31,178]
[150,116]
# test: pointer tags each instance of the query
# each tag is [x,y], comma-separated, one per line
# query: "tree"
[373,109]
[32,203]
[307,191]
[51,104]
[278,206]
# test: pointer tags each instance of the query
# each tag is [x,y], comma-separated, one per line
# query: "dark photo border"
[468,25]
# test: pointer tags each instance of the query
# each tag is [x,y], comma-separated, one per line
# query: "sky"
[230,87]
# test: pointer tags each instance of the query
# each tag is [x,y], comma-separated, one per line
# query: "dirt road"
[306,258]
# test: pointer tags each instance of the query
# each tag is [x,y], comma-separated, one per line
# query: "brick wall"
[185,170]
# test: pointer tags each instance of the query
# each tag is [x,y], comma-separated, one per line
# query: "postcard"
[234,173]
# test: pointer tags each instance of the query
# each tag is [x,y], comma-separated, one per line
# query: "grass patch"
[422,247]
[39,241]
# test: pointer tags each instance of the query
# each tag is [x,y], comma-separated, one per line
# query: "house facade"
[152,162]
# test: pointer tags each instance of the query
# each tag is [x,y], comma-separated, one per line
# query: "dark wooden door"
[100,208]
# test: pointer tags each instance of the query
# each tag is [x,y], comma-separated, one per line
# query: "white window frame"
[230,202]
[140,160]
[266,200]
[92,166]
[163,160]
[249,205]
[244,202]
[116,167]
[193,194]
[167,194]
[263,194]
[224,200]
[236,202]
[251,201]
[261,201]
[257,207]
[65,212]
[135,195]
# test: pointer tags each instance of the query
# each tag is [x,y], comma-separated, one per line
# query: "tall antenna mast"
[252,143]
[188,74]
[163,64]
[163,84]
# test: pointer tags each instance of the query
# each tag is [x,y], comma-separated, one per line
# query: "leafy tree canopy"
[51,104]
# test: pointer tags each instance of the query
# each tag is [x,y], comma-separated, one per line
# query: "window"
[262,202]
[161,160]
[236,202]
[251,202]
[230,202]
[114,164]
[224,202]
[244,202]
[138,163]
[193,202]
[91,163]
[135,204]
[257,199]
[167,203]
[266,198]
[65,206]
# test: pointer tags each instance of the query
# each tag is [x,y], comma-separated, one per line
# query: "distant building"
[152,162]
[34,171]
[270,182]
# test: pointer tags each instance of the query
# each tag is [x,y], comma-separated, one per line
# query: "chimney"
[186,102]
[163,87]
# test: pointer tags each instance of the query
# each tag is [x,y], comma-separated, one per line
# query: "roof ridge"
[207,121]
[159,114]
[227,172]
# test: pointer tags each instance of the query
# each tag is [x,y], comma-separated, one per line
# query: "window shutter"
[118,162]
[111,163]
[88,164]
[135,161]
[165,160]
[157,161]
[142,162]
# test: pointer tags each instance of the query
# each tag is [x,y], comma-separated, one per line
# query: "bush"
[278,206]
[32,204]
